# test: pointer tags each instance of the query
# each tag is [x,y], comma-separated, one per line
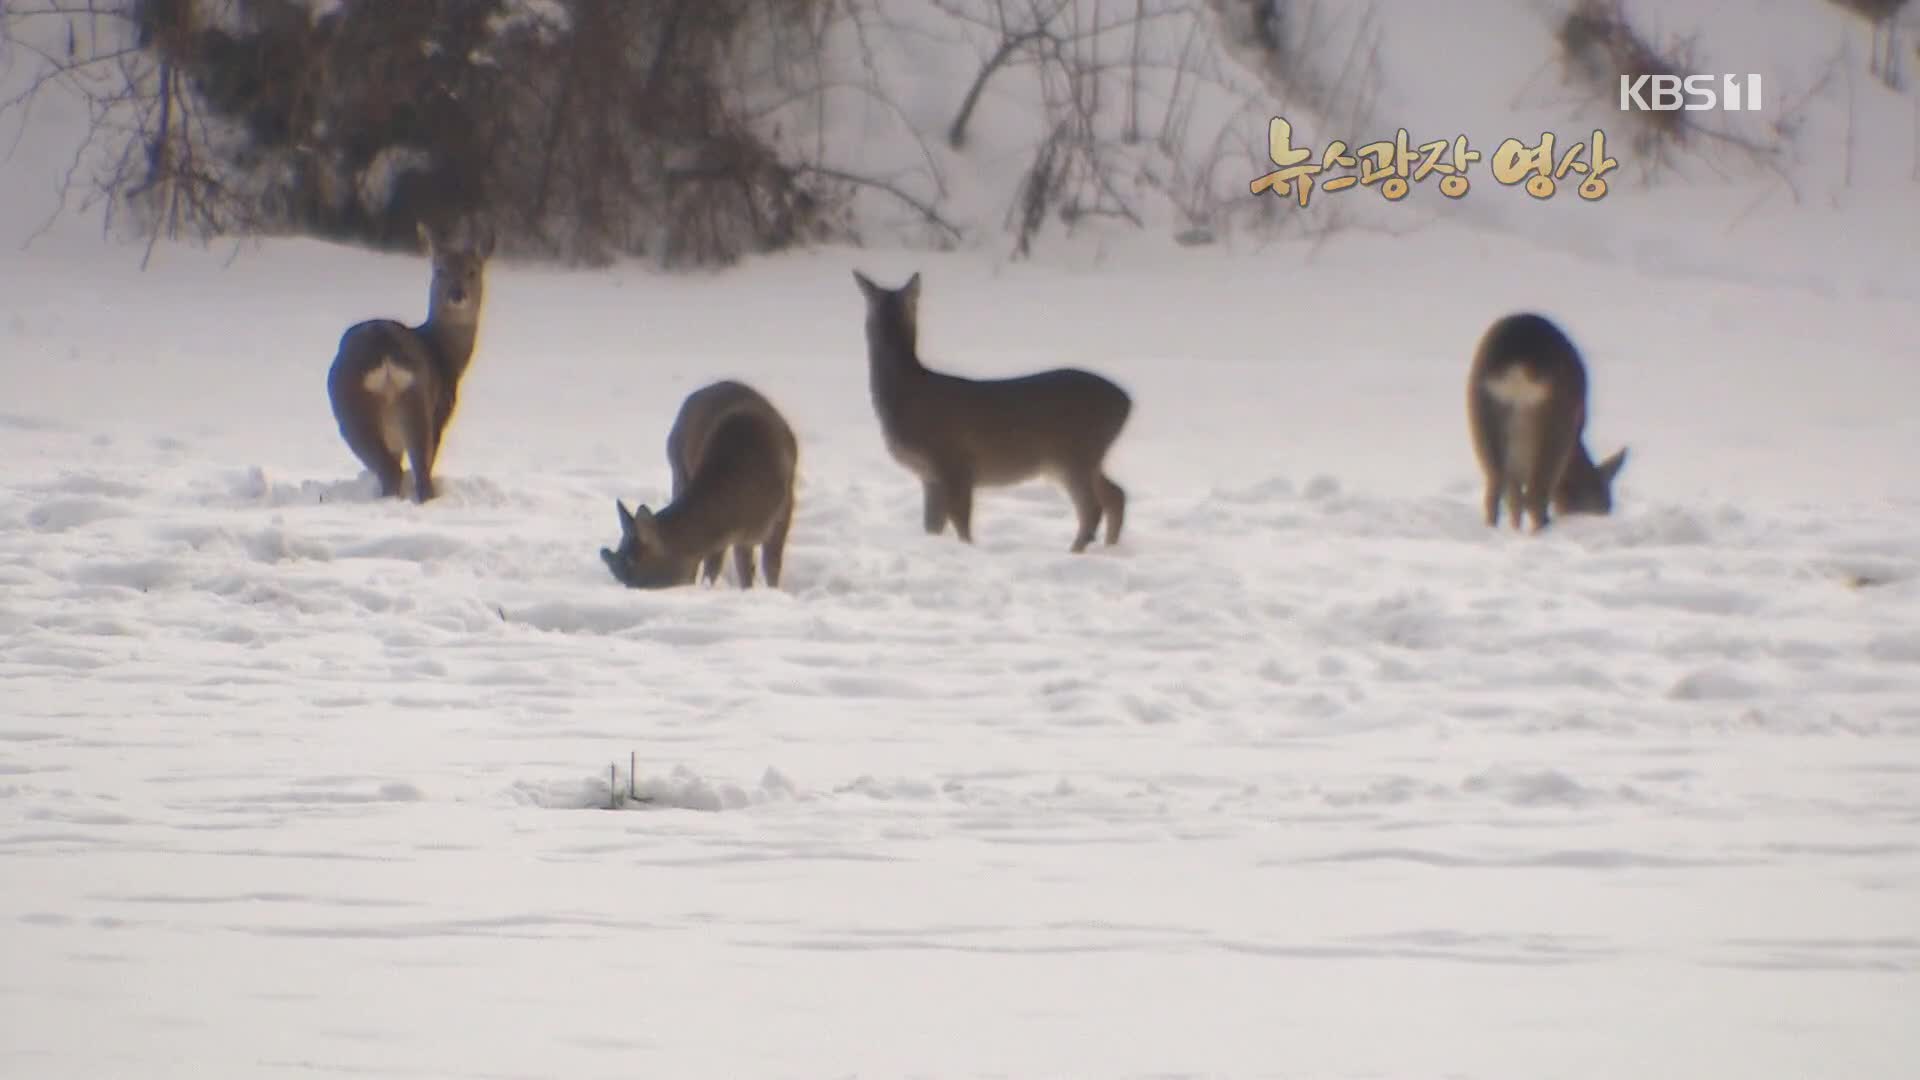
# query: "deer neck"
[452,340]
[892,360]
[696,523]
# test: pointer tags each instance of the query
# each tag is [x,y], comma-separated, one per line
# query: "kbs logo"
[1694,93]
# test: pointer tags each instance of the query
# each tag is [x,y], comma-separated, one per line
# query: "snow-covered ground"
[1313,775]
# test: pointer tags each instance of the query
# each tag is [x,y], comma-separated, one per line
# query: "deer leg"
[773,550]
[388,470]
[711,569]
[743,564]
[1522,442]
[958,487]
[1086,507]
[1537,509]
[1495,485]
[1558,439]
[934,512]
[1489,447]
[418,426]
[362,434]
[1113,498]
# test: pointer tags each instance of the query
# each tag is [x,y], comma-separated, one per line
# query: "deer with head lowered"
[956,433]
[1527,409]
[732,457]
[394,386]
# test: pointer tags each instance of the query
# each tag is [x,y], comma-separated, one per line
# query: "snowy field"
[1313,775]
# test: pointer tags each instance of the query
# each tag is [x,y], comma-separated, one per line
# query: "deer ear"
[645,528]
[626,518]
[1610,467]
[866,284]
[910,302]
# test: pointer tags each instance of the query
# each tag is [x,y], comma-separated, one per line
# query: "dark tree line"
[583,129]
[589,130]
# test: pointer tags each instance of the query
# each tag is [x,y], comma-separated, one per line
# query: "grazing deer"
[732,456]
[394,386]
[1527,407]
[957,433]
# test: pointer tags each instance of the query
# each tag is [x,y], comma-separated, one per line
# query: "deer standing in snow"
[733,458]
[956,433]
[1527,409]
[393,387]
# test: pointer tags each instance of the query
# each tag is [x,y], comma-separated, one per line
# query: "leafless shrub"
[1599,46]
[1149,101]
[1316,59]
[1295,39]
[152,150]
[690,131]
[646,142]
[1883,60]
[1057,43]
[359,120]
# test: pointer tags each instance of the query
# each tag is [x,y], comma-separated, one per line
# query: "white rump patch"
[388,381]
[1519,388]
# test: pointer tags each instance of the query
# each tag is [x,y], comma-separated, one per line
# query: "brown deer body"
[394,387]
[1527,409]
[957,434]
[733,457]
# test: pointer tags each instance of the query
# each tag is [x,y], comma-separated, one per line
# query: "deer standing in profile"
[957,433]
[393,386]
[1527,408]
[733,458]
